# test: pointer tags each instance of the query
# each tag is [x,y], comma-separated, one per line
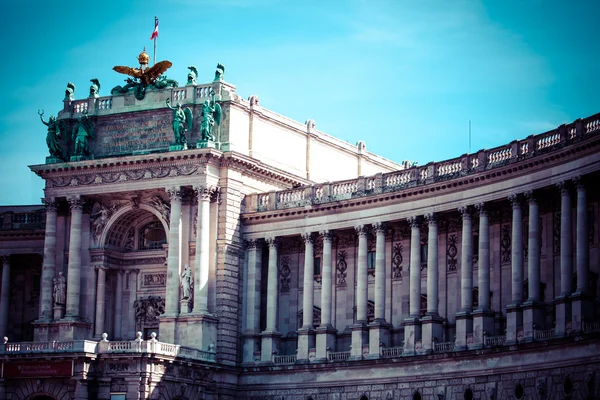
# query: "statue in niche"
[186,283]
[95,88]
[192,75]
[211,115]
[70,91]
[182,121]
[53,136]
[60,290]
[219,72]
[82,132]
[99,215]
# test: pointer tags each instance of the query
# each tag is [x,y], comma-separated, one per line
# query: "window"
[423,253]
[117,396]
[317,266]
[371,260]
[152,236]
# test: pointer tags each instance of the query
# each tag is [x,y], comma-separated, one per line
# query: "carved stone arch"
[122,212]
[41,396]
[42,389]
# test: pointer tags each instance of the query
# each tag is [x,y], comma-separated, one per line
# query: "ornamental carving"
[148,309]
[505,243]
[161,206]
[397,261]
[154,280]
[556,223]
[341,267]
[451,252]
[284,274]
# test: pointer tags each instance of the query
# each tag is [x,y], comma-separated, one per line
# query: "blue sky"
[404,76]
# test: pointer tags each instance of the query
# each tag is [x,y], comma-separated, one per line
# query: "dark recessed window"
[317,266]
[568,386]
[468,394]
[371,260]
[416,396]
[152,236]
[519,391]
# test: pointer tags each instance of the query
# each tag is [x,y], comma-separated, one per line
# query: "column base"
[269,346]
[167,328]
[563,314]
[205,144]
[306,341]
[360,337]
[197,330]
[326,340]
[514,323]
[59,312]
[251,340]
[412,334]
[581,309]
[464,328]
[379,336]
[432,331]
[483,324]
[533,318]
[176,146]
[69,330]
[185,306]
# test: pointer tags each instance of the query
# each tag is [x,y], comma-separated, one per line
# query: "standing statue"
[70,92]
[192,75]
[99,217]
[53,136]
[95,88]
[182,121]
[60,290]
[219,72]
[211,115]
[186,282]
[81,132]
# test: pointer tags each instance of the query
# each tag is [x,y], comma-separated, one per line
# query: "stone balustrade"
[444,347]
[284,360]
[493,341]
[74,346]
[338,355]
[590,327]
[530,147]
[392,352]
[23,221]
[544,334]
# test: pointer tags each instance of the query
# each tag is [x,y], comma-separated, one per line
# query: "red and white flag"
[155,33]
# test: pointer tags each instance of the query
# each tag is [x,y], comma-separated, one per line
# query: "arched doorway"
[41,397]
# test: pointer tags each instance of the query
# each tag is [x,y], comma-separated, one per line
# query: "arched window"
[416,396]
[468,394]
[152,236]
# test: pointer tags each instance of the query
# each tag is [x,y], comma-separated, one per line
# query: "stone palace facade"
[273,261]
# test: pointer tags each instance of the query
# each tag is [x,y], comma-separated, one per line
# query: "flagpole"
[155,19]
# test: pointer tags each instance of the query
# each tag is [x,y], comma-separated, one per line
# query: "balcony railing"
[444,347]
[493,341]
[544,334]
[392,352]
[530,147]
[33,220]
[338,355]
[284,360]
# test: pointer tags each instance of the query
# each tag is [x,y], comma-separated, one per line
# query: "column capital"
[414,222]
[515,200]
[531,197]
[100,267]
[308,237]
[49,204]
[579,182]
[135,271]
[465,212]
[75,202]
[379,227]
[205,192]
[361,230]
[272,241]
[252,244]
[5,259]
[431,218]
[563,187]
[174,193]
[326,235]
[482,208]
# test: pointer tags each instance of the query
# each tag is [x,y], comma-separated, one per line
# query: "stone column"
[562,305]
[514,313]
[49,263]
[306,334]
[483,316]
[464,318]
[533,308]
[270,336]
[202,260]
[252,333]
[379,329]
[412,326]
[100,301]
[431,323]
[74,266]
[4,296]
[581,302]
[118,316]
[360,334]
[326,332]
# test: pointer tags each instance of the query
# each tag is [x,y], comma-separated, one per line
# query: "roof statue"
[219,72]
[82,132]
[53,137]
[211,115]
[142,76]
[182,121]
[191,78]
[95,87]
[69,93]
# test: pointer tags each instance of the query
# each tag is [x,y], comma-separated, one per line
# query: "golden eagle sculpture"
[144,76]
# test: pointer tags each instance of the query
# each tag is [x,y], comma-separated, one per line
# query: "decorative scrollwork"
[341,267]
[284,274]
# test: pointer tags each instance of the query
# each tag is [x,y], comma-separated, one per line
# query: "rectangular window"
[423,253]
[317,266]
[371,260]
[118,396]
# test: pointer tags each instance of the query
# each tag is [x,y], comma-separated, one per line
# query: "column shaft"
[414,305]
[583,250]
[253,285]
[74,266]
[326,280]
[484,259]
[100,300]
[533,254]
[466,268]
[517,251]
[361,276]
[566,246]
[379,272]
[49,263]
[172,295]
[4,296]
[308,289]
[432,265]
[118,317]
[202,260]
[272,287]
